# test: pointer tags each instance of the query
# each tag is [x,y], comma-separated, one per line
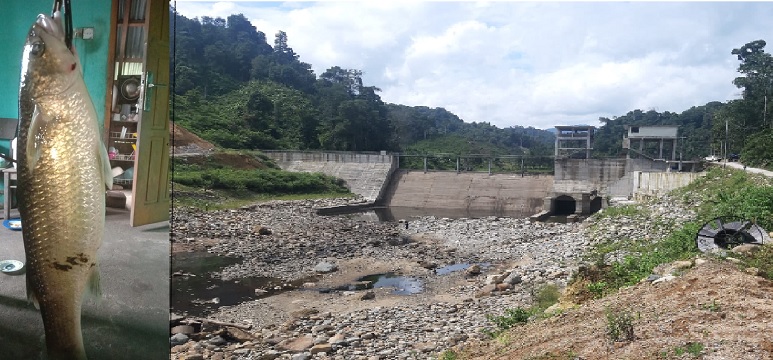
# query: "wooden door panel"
[151,176]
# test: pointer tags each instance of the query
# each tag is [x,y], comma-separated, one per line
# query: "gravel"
[523,255]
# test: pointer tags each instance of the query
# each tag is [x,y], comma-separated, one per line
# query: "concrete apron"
[130,321]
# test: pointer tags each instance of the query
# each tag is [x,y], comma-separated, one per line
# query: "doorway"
[136,107]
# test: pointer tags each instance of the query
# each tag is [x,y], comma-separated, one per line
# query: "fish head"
[48,66]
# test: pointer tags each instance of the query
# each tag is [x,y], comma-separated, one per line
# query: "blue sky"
[534,64]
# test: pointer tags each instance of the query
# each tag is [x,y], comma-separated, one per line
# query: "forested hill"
[695,130]
[237,91]
[741,126]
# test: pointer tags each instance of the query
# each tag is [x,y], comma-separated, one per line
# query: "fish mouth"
[50,25]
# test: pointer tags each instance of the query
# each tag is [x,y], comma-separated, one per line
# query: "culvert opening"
[595,205]
[564,205]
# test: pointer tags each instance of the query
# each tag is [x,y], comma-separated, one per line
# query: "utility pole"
[726,131]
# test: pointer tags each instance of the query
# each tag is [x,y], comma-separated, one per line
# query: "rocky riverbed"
[501,263]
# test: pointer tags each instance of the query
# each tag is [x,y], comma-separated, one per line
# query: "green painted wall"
[18,16]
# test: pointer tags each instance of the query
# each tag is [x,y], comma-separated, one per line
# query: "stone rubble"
[523,255]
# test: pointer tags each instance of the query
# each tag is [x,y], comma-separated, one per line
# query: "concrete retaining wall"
[587,175]
[475,193]
[365,174]
[658,183]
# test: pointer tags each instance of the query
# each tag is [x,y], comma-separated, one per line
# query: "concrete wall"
[658,183]
[365,174]
[475,193]
[18,17]
[586,175]
[653,131]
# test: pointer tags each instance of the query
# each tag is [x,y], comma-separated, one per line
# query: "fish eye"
[37,48]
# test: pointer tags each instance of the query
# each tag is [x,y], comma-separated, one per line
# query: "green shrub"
[448,355]
[512,317]
[620,326]
[546,296]
[267,181]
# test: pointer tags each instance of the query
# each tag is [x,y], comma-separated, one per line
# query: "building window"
[635,130]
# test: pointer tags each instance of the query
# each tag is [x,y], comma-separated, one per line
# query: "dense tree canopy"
[236,90]
[233,88]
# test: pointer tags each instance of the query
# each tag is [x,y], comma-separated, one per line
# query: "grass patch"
[692,348]
[268,181]
[729,192]
[512,317]
[229,179]
[620,325]
[625,210]
[544,297]
[643,256]
[448,355]
[231,199]
[762,260]
[713,306]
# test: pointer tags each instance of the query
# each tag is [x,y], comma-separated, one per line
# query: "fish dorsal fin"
[34,137]
[104,160]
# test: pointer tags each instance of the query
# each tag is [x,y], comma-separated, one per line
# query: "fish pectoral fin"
[31,296]
[92,287]
[107,172]
[34,139]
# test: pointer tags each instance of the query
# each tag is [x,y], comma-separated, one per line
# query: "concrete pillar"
[549,205]
[586,198]
[661,149]
[425,164]
[673,152]
[489,166]
[457,164]
[578,203]
[587,146]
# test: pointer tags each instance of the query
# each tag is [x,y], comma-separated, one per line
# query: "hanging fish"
[63,171]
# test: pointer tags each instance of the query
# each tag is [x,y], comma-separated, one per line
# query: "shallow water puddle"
[403,285]
[196,292]
[458,267]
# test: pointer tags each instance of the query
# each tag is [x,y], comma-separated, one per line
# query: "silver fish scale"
[61,201]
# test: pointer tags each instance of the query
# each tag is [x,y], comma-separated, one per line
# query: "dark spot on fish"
[62,267]
[79,259]
[92,265]
[72,68]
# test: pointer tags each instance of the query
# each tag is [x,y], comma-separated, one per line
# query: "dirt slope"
[726,310]
[185,141]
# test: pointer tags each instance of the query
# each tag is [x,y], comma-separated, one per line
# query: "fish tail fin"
[31,296]
[93,288]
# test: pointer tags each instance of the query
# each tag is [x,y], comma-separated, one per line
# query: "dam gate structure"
[579,186]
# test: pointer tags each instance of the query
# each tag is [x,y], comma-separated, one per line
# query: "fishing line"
[68,34]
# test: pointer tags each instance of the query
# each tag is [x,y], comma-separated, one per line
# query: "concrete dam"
[579,186]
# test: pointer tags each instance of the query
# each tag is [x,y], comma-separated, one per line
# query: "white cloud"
[529,64]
